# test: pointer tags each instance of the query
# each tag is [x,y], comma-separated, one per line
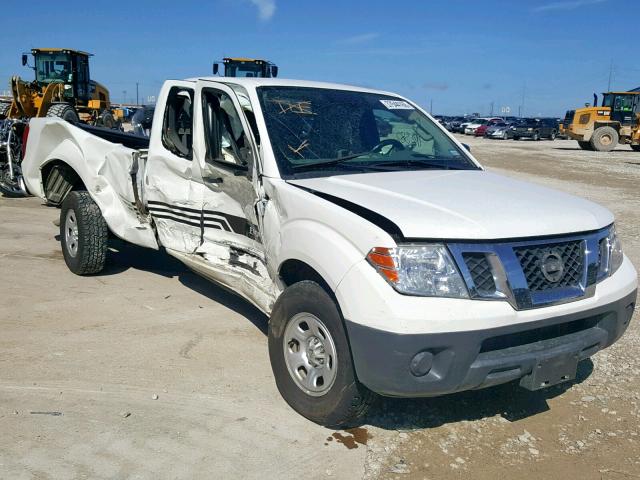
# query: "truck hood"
[461,205]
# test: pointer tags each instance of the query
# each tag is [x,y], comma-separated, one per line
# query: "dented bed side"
[102,166]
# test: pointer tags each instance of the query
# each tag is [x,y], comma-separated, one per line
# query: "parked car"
[535,128]
[471,128]
[142,120]
[387,259]
[498,130]
[454,124]
[480,131]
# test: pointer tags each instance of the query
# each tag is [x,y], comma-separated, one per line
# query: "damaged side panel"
[102,166]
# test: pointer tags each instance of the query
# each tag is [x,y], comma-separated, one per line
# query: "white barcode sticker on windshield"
[397,105]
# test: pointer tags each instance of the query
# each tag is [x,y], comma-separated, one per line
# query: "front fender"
[299,225]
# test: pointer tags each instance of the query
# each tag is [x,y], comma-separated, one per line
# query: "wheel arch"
[58,179]
[294,270]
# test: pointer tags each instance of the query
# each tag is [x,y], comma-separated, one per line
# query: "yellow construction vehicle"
[602,128]
[635,135]
[62,88]
[246,67]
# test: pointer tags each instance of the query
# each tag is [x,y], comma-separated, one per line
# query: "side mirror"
[467,147]
[25,59]
[274,71]
[216,67]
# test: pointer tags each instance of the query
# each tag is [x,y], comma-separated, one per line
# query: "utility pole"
[491,110]
[137,99]
[610,74]
[431,107]
[124,96]
[524,93]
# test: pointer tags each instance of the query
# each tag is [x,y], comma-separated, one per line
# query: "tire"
[107,120]
[585,145]
[553,136]
[604,139]
[635,148]
[339,400]
[516,137]
[63,111]
[83,234]
[4,110]
[536,136]
[505,136]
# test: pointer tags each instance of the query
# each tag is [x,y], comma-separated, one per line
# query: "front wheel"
[635,148]
[83,234]
[311,358]
[604,139]
[536,136]
[553,135]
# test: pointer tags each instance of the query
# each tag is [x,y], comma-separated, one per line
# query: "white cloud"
[568,5]
[266,8]
[359,39]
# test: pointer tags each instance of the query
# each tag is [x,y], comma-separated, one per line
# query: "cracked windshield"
[327,131]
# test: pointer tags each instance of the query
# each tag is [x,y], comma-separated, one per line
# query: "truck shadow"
[122,256]
[509,401]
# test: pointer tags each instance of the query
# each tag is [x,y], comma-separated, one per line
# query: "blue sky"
[461,55]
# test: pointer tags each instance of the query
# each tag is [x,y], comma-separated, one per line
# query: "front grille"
[534,258]
[481,274]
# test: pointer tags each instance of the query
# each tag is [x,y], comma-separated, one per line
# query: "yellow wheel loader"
[246,67]
[62,88]
[602,128]
[635,135]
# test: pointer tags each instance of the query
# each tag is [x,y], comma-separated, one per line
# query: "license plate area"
[551,371]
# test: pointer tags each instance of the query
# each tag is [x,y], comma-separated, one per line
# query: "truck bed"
[129,140]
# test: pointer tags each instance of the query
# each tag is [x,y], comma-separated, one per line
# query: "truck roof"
[254,82]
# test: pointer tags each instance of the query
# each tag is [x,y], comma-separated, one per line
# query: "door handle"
[211,179]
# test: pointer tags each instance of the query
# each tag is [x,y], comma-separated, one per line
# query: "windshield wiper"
[416,163]
[335,161]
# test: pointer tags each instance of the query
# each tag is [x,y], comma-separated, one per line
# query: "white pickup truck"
[387,259]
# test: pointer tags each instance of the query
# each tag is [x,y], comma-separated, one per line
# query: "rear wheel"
[536,136]
[63,111]
[553,135]
[505,136]
[585,145]
[83,234]
[311,358]
[107,119]
[604,139]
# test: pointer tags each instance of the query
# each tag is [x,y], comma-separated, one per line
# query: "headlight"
[611,255]
[423,270]
[530,129]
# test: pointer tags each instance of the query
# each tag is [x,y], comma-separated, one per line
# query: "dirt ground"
[148,371]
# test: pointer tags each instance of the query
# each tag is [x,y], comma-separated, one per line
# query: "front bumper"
[430,364]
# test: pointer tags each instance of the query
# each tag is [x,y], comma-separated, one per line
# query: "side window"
[224,136]
[177,126]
